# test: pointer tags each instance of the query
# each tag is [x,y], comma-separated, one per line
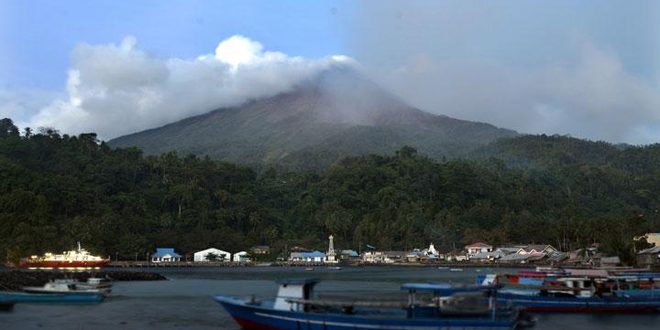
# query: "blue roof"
[315,254]
[350,253]
[161,252]
[446,289]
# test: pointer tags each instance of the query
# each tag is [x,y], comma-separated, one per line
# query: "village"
[475,254]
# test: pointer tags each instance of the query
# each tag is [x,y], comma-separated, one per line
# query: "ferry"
[429,306]
[78,258]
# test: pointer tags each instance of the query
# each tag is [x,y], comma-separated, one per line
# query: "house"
[610,262]
[517,258]
[651,238]
[260,249]
[211,254]
[475,248]
[165,255]
[649,257]
[386,257]
[415,256]
[487,256]
[349,255]
[242,256]
[536,248]
[314,256]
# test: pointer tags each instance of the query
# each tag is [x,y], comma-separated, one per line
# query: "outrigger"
[429,306]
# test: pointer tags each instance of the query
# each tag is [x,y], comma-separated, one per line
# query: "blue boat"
[576,294]
[69,297]
[575,304]
[295,307]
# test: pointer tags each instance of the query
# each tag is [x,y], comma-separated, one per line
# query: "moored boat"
[296,307]
[79,258]
[51,297]
[92,283]
[64,287]
[580,294]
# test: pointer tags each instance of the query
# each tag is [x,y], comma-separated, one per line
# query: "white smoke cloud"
[536,69]
[119,89]
[593,98]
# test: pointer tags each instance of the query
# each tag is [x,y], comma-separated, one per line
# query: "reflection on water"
[184,301]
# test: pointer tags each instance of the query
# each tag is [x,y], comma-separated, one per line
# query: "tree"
[212,256]
[7,128]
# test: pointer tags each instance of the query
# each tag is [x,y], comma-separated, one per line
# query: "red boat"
[79,258]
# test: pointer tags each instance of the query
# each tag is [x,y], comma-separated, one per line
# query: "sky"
[584,68]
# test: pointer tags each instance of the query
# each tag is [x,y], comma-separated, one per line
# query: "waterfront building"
[431,250]
[314,256]
[386,257]
[165,255]
[211,254]
[537,248]
[649,257]
[260,249]
[241,256]
[477,247]
[349,255]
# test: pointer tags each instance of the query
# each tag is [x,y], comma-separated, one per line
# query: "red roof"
[478,245]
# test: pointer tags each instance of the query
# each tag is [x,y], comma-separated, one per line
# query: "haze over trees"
[58,189]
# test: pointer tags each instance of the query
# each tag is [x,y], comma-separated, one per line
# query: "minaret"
[331,255]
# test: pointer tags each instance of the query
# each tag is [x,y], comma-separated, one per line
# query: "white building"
[207,255]
[242,256]
[478,247]
[165,255]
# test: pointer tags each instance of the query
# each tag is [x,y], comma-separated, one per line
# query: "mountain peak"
[337,113]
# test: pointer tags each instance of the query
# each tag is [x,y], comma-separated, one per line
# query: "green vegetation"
[58,189]
[338,115]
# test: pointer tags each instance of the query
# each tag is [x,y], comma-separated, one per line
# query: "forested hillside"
[58,189]
[338,114]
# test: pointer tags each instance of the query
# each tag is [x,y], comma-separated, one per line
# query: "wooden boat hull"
[534,303]
[76,297]
[257,317]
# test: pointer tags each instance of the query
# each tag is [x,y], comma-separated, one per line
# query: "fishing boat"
[79,258]
[578,294]
[429,306]
[64,287]
[92,283]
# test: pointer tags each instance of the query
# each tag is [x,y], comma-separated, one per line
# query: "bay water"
[184,301]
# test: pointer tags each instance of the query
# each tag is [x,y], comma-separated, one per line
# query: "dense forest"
[58,189]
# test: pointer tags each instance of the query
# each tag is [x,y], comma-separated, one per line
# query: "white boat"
[59,287]
[91,283]
[455,269]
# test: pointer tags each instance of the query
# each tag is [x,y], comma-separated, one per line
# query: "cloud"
[17,104]
[559,69]
[119,89]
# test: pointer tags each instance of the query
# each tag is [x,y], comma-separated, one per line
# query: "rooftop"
[161,252]
[478,245]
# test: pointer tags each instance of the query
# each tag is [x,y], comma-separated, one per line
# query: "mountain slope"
[337,114]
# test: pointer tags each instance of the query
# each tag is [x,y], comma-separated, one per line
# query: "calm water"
[184,301]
